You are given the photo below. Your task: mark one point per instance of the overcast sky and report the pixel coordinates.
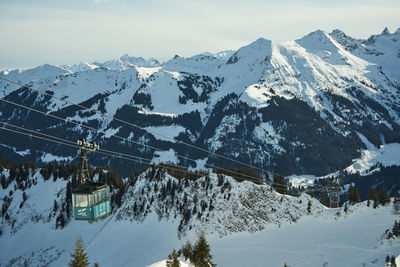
(69, 31)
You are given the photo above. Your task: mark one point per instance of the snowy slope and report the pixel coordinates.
(296, 107)
(241, 230)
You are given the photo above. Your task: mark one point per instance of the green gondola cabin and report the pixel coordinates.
(91, 201)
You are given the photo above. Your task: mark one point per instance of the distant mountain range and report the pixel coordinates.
(309, 106)
(326, 105)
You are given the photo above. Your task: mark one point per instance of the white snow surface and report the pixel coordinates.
(163, 263)
(302, 180)
(48, 157)
(387, 155)
(242, 231)
(171, 131)
(165, 156)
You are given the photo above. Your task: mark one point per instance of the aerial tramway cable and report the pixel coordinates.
(122, 138)
(131, 124)
(63, 141)
(97, 151)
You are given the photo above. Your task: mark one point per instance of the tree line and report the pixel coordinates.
(198, 254)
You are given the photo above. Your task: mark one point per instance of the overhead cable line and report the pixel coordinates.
(123, 138)
(63, 141)
(70, 142)
(96, 151)
(131, 124)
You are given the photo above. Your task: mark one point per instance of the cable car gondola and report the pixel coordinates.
(90, 200)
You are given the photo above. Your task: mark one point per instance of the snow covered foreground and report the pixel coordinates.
(163, 264)
(351, 240)
(328, 237)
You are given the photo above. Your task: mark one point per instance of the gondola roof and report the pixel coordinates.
(88, 188)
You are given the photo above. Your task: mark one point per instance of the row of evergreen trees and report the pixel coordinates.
(353, 196)
(199, 254)
(390, 261)
(240, 174)
(393, 233)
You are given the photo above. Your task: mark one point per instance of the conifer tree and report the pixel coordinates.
(353, 195)
(396, 229)
(372, 194)
(393, 262)
(396, 203)
(346, 208)
(323, 199)
(55, 206)
(201, 253)
(79, 257)
(375, 204)
(173, 260)
(187, 251)
(280, 184)
(383, 197)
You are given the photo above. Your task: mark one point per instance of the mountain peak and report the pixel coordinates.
(315, 35)
(317, 32)
(385, 31)
(261, 42)
(125, 56)
(337, 32)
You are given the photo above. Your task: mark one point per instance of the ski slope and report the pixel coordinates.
(326, 236)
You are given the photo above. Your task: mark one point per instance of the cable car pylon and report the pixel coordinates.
(90, 200)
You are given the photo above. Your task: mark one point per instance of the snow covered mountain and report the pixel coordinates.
(246, 224)
(308, 106)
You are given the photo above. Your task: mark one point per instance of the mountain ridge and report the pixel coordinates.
(327, 86)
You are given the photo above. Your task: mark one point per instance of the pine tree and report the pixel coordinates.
(393, 262)
(323, 199)
(96, 264)
(173, 260)
(187, 251)
(79, 257)
(280, 184)
(396, 229)
(309, 206)
(372, 194)
(387, 260)
(353, 195)
(375, 204)
(201, 253)
(396, 203)
(383, 197)
(55, 206)
(60, 221)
